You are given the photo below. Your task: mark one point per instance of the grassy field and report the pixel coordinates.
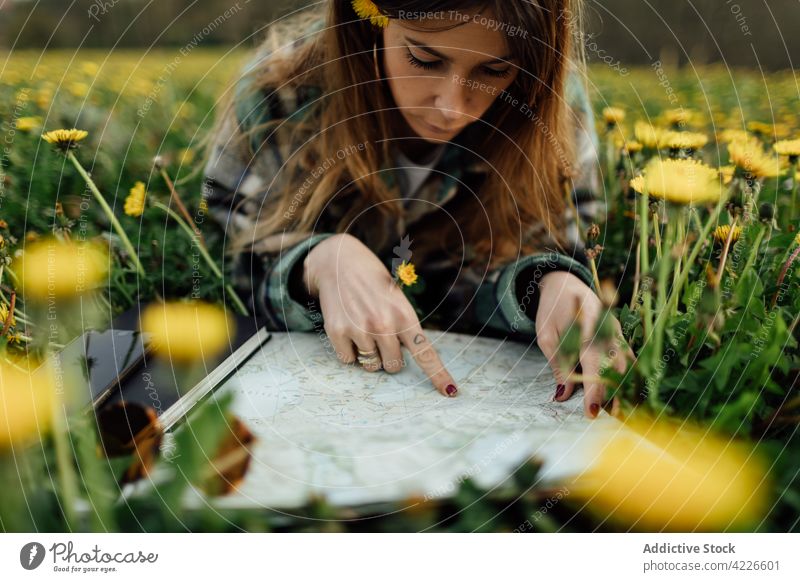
(711, 313)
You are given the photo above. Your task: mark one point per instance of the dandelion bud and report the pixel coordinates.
(766, 212)
(593, 232)
(158, 162)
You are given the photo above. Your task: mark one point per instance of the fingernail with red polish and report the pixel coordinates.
(594, 408)
(559, 390)
(451, 390)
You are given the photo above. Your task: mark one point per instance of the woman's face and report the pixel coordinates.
(443, 80)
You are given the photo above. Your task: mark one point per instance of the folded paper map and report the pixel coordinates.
(355, 437)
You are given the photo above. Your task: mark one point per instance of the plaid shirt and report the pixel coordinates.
(499, 302)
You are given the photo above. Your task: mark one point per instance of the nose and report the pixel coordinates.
(454, 102)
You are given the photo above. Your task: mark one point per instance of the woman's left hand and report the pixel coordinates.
(561, 295)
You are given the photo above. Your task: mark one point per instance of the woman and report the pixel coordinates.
(433, 132)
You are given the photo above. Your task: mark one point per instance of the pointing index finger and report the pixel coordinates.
(428, 360)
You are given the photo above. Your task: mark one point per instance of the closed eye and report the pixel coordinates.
(435, 64)
(427, 65)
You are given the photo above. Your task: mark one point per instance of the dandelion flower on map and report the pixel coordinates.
(407, 273)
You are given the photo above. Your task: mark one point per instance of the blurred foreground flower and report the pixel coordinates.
(187, 332)
(665, 475)
(26, 402)
(51, 268)
(679, 181)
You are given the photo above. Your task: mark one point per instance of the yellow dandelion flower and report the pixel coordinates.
(788, 147)
(632, 147)
(26, 400)
(187, 332)
(28, 124)
(667, 475)
(767, 130)
(683, 140)
(647, 135)
(78, 89)
(679, 181)
(406, 273)
(731, 135)
(751, 158)
(613, 115)
(367, 9)
(43, 97)
(65, 139)
(51, 268)
(721, 233)
(89, 68)
(678, 116)
(134, 203)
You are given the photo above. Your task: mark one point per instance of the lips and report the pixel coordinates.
(435, 128)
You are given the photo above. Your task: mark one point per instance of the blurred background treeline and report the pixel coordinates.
(741, 33)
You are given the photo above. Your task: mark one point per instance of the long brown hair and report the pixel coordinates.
(530, 161)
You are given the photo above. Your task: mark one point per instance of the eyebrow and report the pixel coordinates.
(439, 55)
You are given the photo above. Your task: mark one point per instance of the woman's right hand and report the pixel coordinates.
(363, 308)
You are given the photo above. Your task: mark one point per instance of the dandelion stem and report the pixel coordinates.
(701, 239)
(181, 206)
(644, 239)
(110, 213)
(794, 190)
(66, 470)
(594, 273)
(661, 319)
(204, 253)
(657, 234)
(636, 277)
(751, 259)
